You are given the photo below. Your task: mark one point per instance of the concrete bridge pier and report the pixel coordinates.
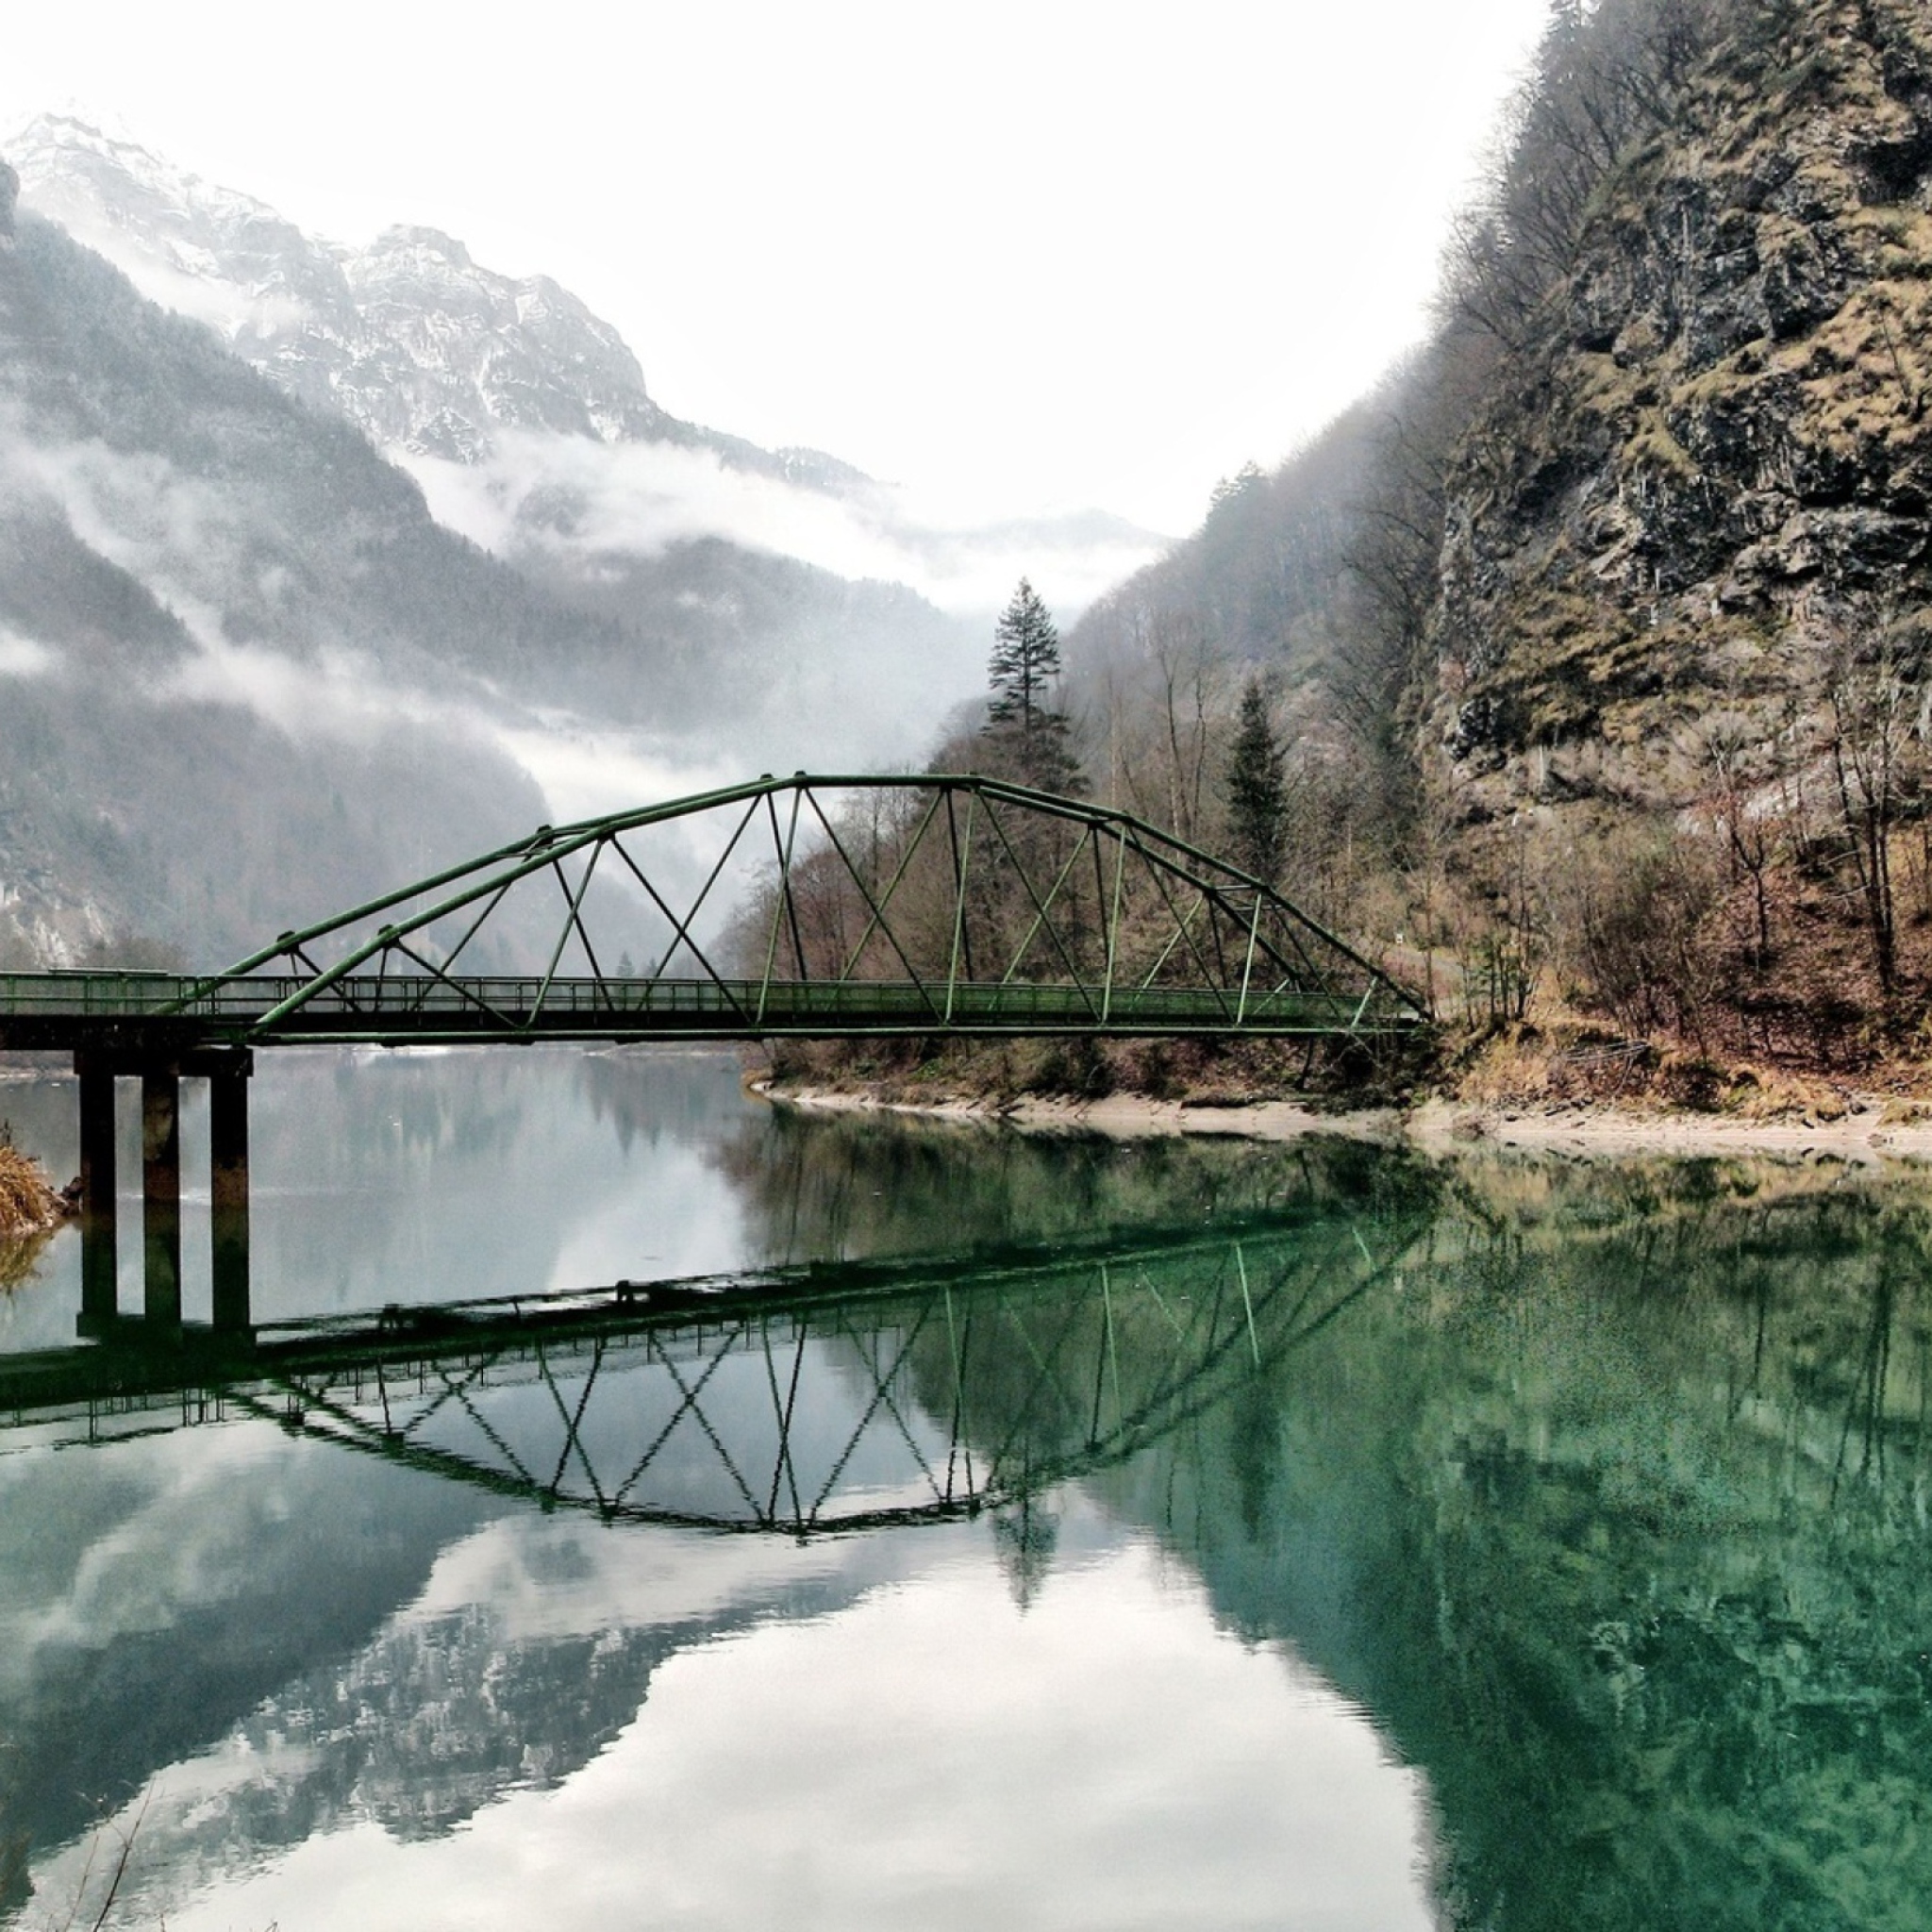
(227, 1136)
(161, 1198)
(228, 1072)
(99, 1259)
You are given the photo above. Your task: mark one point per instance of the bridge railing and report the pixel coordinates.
(95, 994)
(400, 1007)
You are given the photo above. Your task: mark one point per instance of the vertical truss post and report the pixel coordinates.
(1241, 1262)
(878, 922)
(785, 873)
(571, 901)
(962, 853)
(1113, 921)
(1241, 1010)
(1113, 1354)
(1043, 910)
(771, 947)
(784, 1469)
(959, 1346)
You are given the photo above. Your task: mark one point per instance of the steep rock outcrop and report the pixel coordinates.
(1711, 472)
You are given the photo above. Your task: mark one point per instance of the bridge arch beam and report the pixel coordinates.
(947, 903)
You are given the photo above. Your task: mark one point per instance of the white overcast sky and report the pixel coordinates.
(1017, 257)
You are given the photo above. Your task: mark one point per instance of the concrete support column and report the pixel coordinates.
(160, 1151)
(228, 1133)
(99, 1255)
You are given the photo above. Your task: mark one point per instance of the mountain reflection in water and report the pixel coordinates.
(1499, 1545)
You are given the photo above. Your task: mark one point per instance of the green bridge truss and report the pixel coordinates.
(803, 906)
(800, 1401)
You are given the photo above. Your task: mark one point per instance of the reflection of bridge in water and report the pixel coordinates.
(800, 1400)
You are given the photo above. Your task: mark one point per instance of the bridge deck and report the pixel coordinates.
(78, 1010)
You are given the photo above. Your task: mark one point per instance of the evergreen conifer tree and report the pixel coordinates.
(1257, 788)
(1025, 657)
(1026, 730)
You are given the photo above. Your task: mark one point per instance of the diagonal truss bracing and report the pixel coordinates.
(820, 907)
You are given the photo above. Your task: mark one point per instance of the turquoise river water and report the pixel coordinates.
(1187, 1534)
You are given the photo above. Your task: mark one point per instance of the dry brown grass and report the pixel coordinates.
(28, 1202)
(1560, 1060)
(20, 1259)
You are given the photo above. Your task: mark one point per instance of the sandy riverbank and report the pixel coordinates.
(1873, 1129)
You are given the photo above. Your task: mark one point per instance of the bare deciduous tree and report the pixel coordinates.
(1875, 729)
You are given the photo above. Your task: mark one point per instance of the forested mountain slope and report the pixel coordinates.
(246, 678)
(207, 595)
(1598, 638)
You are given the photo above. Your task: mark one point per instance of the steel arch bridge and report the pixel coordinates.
(826, 908)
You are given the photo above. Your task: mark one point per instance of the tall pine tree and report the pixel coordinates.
(1025, 730)
(1257, 788)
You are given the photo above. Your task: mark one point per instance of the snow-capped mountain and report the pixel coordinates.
(524, 416)
(453, 352)
(233, 593)
(229, 626)
(424, 349)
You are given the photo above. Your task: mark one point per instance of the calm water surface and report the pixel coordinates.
(1237, 1536)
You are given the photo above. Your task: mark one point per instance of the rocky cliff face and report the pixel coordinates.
(454, 349)
(1712, 476)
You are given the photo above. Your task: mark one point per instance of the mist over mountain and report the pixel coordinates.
(525, 416)
(227, 680)
(248, 679)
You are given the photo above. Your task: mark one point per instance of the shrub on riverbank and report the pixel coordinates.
(29, 1202)
(1201, 1073)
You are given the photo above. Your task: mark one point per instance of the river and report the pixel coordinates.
(1180, 1534)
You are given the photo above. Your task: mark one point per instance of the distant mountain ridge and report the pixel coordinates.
(419, 346)
(319, 564)
(525, 416)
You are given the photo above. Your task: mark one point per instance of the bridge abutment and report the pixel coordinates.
(227, 1072)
